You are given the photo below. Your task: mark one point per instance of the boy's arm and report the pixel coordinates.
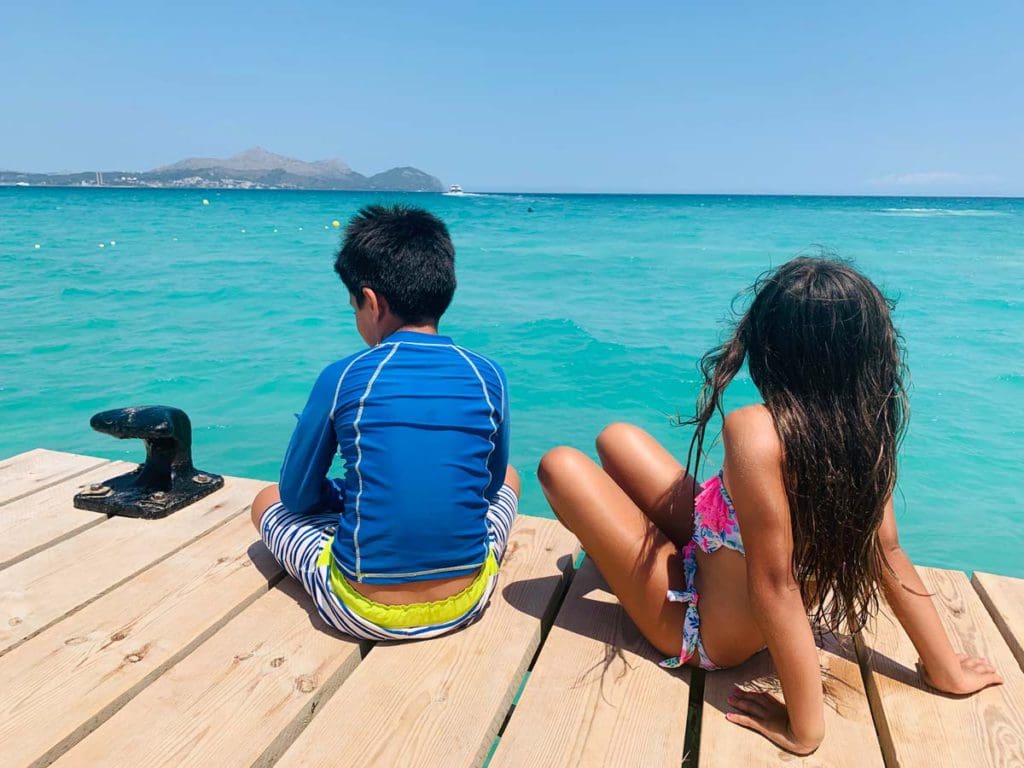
(304, 485)
(753, 466)
(497, 464)
(943, 668)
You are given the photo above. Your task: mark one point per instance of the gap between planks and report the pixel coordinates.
(441, 702)
(70, 465)
(41, 572)
(919, 727)
(48, 516)
(596, 695)
(1003, 598)
(69, 679)
(238, 700)
(850, 734)
(547, 622)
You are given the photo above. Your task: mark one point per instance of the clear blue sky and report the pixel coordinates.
(861, 98)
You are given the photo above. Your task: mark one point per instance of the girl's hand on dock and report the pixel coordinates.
(760, 711)
(974, 673)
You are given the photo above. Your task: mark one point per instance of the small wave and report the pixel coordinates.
(118, 293)
(1011, 378)
(926, 212)
(188, 380)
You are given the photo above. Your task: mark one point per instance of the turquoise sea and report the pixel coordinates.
(597, 305)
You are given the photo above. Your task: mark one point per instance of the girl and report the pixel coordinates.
(807, 478)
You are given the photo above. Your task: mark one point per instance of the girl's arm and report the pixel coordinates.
(753, 472)
(943, 668)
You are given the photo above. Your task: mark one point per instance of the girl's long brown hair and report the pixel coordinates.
(821, 348)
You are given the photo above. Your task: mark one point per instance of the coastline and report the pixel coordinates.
(532, 193)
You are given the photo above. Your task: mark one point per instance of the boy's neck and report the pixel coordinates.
(412, 328)
(395, 325)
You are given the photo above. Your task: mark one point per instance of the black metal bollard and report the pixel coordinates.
(166, 482)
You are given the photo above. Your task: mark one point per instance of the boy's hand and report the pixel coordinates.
(974, 673)
(765, 714)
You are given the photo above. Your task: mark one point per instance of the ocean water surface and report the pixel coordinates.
(597, 306)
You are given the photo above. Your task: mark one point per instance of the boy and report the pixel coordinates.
(407, 544)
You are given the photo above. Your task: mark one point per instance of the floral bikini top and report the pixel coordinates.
(714, 518)
(714, 527)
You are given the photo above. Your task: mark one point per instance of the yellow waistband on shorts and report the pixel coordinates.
(409, 614)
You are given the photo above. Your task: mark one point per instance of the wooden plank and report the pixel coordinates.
(1003, 596)
(40, 590)
(920, 727)
(596, 695)
(850, 738)
(441, 702)
(68, 679)
(34, 470)
(47, 516)
(237, 700)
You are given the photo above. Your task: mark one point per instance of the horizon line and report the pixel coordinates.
(991, 196)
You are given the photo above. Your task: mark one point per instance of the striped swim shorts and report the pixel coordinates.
(302, 545)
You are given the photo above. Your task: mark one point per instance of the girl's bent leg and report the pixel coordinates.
(651, 477)
(639, 562)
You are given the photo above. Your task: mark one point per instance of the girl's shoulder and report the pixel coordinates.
(753, 474)
(750, 432)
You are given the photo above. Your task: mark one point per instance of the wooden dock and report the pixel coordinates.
(179, 642)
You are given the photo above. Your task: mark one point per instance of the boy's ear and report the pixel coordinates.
(370, 297)
(378, 304)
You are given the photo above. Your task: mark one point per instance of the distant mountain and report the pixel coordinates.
(259, 159)
(255, 168)
(405, 178)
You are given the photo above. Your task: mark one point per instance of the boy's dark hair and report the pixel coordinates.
(404, 254)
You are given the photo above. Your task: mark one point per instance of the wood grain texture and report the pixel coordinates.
(850, 738)
(596, 695)
(227, 703)
(43, 588)
(68, 679)
(440, 702)
(1003, 597)
(40, 519)
(34, 470)
(921, 727)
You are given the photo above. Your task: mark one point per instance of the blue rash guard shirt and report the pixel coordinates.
(422, 427)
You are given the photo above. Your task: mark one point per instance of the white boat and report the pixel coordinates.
(455, 189)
